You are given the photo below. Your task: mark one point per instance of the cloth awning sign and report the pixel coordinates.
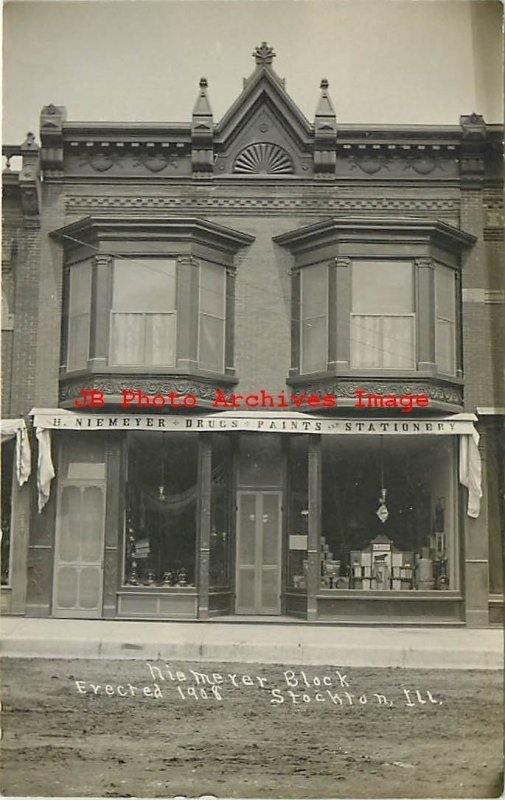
(271, 422)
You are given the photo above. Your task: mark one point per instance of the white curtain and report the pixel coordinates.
(470, 471)
(45, 468)
(17, 427)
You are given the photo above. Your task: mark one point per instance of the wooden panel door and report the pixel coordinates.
(258, 575)
(79, 552)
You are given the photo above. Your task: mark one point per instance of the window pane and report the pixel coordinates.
(127, 338)
(382, 287)
(365, 341)
(162, 495)
(221, 510)
(415, 549)
(160, 339)
(314, 291)
(211, 343)
(398, 342)
(79, 306)
(212, 289)
(78, 341)
(6, 501)
(382, 341)
(445, 293)
(314, 344)
(144, 285)
(445, 354)
(80, 288)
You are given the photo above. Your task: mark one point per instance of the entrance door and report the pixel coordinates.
(258, 578)
(78, 566)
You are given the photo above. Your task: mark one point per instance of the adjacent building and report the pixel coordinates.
(343, 283)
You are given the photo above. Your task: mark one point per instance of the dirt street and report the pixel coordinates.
(120, 728)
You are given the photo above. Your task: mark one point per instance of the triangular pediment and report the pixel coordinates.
(263, 125)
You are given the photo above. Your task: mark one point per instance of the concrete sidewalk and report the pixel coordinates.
(269, 643)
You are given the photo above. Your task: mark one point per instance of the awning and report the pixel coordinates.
(10, 428)
(46, 419)
(270, 421)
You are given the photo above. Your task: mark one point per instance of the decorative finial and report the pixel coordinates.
(324, 84)
(30, 143)
(264, 55)
(203, 83)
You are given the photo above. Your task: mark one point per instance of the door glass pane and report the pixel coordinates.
(270, 521)
(245, 589)
(92, 522)
(89, 587)
(70, 524)
(66, 589)
(270, 590)
(247, 529)
(382, 287)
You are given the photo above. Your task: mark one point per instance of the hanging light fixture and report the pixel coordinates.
(382, 512)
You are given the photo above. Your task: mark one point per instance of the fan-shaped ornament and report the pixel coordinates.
(263, 159)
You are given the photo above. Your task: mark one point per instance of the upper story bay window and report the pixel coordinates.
(383, 315)
(143, 319)
(378, 301)
(149, 317)
(148, 298)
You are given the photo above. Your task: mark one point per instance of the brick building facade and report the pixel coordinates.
(262, 252)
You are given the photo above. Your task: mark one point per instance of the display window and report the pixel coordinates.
(221, 512)
(161, 508)
(389, 513)
(8, 449)
(298, 514)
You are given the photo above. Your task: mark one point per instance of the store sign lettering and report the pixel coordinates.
(229, 422)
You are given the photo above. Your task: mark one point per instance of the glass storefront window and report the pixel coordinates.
(221, 520)
(8, 449)
(298, 518)
(410, 543)
(162, 493)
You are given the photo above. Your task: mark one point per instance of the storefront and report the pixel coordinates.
(280, 513)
